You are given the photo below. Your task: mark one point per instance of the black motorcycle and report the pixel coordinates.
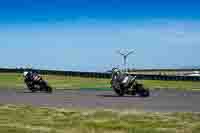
(123, 83)
(36, 83)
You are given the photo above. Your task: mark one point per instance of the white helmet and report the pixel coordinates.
(25, 73)
(116, 70)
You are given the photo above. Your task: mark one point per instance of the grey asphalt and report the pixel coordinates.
(159, 101)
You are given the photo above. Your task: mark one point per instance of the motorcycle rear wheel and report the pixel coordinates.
(45, 87)
(49, 89)
(144, 93)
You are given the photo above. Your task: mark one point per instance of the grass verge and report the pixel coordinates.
(178, 85)
(15, 80)
(28, 119)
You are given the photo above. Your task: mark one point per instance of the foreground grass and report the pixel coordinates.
(27, 119)
(14, 80)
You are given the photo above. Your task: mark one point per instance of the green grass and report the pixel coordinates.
(180, 85)
(14, 80)
(28, 119)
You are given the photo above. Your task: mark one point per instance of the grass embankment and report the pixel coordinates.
(27, 119)
(14, 80)
(179, 85)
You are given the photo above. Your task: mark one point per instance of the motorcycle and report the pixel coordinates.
(35, 83)
(123, 83)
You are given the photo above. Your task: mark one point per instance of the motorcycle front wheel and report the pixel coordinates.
(119, 92)
(33, 90)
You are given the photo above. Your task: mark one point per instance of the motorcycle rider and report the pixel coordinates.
(122, 78)
(35, 82)
(30, 76)
(124, 83)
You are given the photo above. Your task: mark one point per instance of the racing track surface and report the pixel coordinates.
(159, 101)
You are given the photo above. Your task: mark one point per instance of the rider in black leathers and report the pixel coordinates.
(29, 77)
(35, 82)
(121, 78)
